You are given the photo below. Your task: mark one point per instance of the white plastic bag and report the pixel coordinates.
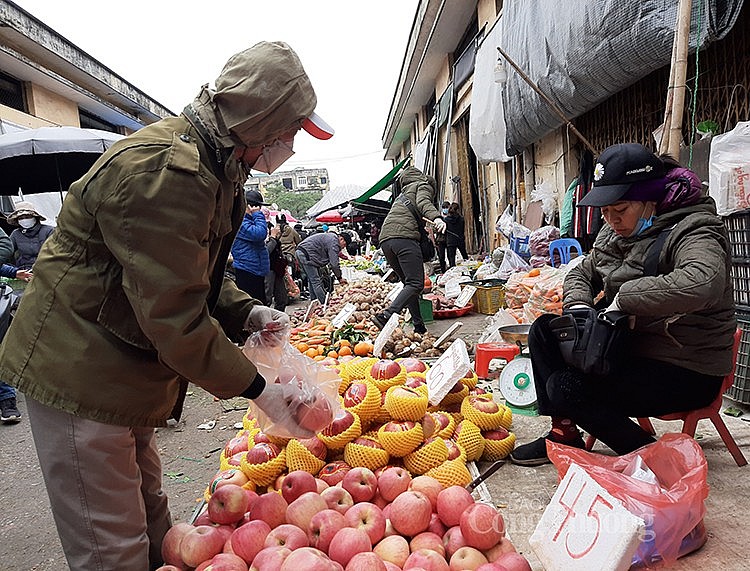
(546, 193)
(505, 222)
(512, 263)
(729, 170)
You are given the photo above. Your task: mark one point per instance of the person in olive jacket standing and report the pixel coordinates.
(129, 302)
(399, 240)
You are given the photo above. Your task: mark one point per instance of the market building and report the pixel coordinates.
(469, 119)
(297, 180)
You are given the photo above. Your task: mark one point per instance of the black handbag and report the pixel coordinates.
(425, 244)
(595, 342)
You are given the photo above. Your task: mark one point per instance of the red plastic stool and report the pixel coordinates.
(485, 352)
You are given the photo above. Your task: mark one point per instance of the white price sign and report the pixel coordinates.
(385, 334)
(447, 371)
(465, 297)
(343, 316)
(394, 292)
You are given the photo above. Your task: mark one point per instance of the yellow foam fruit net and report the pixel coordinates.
(498, 449)
(451, 473)
(446, 432)
(278, 441)
(471, 381)
(417, 374)
(365, 456)
(343, 385)
(338, 441)
(402, 442)
(249, 422)
(403, 407)
(300, 458)
(234, 462)
(265, 474)
(428, 456)
(457, 397)
(356, 369)
(384, 384)
(369, 407)
(225, 475)
(471, 440)
(484, 420)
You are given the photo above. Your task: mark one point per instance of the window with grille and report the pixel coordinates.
(12, 93)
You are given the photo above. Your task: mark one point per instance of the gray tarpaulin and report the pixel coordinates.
(580, 52)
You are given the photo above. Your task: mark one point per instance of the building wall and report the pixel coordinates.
(22, 119)
(52, 107)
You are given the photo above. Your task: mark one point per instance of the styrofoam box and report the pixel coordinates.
(585, 528)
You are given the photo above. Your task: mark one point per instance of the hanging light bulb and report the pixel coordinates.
(501, 74)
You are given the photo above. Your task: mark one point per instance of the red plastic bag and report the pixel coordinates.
(673, 510)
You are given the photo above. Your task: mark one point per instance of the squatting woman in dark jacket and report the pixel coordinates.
(681, 314)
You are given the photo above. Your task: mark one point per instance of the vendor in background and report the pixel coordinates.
(399, 240)
(129, 302)
(681, 342)
(440, 239)
(454, 234)
(318, 251)
(249, 253)
(27, 240)
(276, 294)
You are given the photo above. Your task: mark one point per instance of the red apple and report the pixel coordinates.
(341, 422)
(360, 482)
(457, 388)
(203, 519)
(301, 510)
(262, 453)
(392, 482)
(323, 527)
(453, 450)
(436, 525)
(226, 562)
(333, 472)
(394, 549)
(484, 404)
(426, 559)
(410, 513)
(385, 369)
(505, 546)
(347, 543)
(337, 498)
(236, 460)
(477, 391)
(297, 483)
(451, 503)
(307, 559)
(315, 413)
(413, 365)
(230, 476)
(391, 566)
(201, 543)
(497, 434)
(270, 559)
(453, 540)
(270, 508)
(168, 568)
(407, 392)
(228, 504)
(415, 382)
(482, 526)
(315, 446)
(260, 437)
(379, 500)
(398, 426)
(287, 535)
(170, 545)
(429, 486)
(320, 485)
(248, 540)
(355, 394)
(367, 561)
(427, 540)
(467, 558)
(513, 562)
(369, 517)
(236, 444)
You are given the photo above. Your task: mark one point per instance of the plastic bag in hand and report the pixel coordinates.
(309, 390)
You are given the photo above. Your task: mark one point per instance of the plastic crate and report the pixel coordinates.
(489, 297)
(521, 246)
(425, 309)
(740, 389)
(738, 228)
(740, 272)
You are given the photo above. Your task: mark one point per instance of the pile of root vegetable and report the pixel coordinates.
(381, 488)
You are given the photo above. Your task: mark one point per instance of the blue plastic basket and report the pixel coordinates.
(520, 246)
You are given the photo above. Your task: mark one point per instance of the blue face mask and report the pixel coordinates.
(643, 224)
(445, 212)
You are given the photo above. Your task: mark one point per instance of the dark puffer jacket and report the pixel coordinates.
(684, 315)
(400, 223)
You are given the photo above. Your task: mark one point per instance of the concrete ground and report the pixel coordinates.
(523, 493)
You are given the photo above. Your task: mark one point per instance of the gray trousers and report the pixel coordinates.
(104, 487)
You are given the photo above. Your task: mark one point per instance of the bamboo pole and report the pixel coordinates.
(663, 145)
(680, 74)
(549, 102)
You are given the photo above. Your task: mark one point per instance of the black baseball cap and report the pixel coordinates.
(618, 168)
(254, 198)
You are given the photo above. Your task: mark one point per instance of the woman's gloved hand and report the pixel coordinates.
(439, 224)
(262, 317)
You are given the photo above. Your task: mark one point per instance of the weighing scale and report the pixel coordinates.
(516, 382)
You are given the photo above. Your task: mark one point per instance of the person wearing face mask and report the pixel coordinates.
(249, 254)
(681, 314)
(440, 239)
(31, 234)
(129, 303)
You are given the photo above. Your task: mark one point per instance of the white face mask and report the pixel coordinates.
(274, 155)
(27, 222)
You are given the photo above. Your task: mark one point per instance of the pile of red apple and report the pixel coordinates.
(366, 522)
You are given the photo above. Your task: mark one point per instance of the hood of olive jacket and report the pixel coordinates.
(400, 222)
(685, 314)
(261, 93)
